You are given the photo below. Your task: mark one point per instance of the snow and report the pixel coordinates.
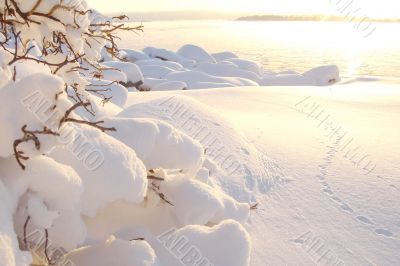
(114, 252)
(116, 93)
(247, 65)
(324, 75)
(134, 55)
(197, 203)
(113, 74)
(228, 155)
(288, 80)
(190, 245)
(194, 77)
(159, 62)
(222, 56)
(227, 70)
(32, 102)
(163, 54)
(158, 138)
(42, 188)
(170, 85)
(195, 68)
(345, 213)
(9, 250)
(93, 155)
(186, 173)
(156, 71)
(196, 53)
(132, 72)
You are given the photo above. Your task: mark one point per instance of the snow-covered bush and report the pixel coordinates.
(74, 178)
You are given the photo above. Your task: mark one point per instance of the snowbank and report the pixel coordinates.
(157, 139)
(94, 155)
(112, 176)
(9, 248)
(114, 252)
(198, 69)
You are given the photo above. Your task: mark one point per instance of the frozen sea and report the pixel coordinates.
(282, 46)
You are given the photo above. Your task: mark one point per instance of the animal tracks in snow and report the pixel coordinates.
(341, 204)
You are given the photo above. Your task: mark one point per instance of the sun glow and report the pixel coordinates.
(370, 8)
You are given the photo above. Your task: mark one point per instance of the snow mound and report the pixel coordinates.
(196, 53)
(94, 155)
(324, 75)
(109, 91)
(170, 85)
(157, 139)
(9, 249)
(237, 166)
(32, 102)
(197, 203)
(191, 245)
(194, 77)
(247, 65)
(132, 72)
(287, 80)
(222, 56)
(155, 71)
(163, 54)
(199, 69)
(114, 252)
(134, 55)
(227, 70)
(159, 62)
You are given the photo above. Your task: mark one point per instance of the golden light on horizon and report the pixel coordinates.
(369, 8)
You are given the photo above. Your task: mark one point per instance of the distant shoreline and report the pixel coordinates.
(210, 15)
(311, 18)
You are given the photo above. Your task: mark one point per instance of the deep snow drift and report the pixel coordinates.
(335, 202)
(191, 67)
(95, 172)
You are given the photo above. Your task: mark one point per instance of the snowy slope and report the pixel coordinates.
(329, 200)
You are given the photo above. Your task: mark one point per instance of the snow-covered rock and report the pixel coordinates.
(163, 54)
(222, 56)
(247, 65)
(196, 53)
(287, 80)
(108, 91)
(131, 70)
(170, 86)
(158, 72)
(113, 74)
(193, 77)
(227, 70)
(134, 55)
(159, 62)
(324, 75)
(114, 252)
(155, 84)
(210, 85)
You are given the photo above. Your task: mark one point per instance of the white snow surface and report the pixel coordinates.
(241, 175)
(324, 207)
(197, 69)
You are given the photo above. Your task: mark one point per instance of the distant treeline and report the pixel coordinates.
(309, 18)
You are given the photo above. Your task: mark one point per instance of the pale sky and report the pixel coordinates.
(371, 8)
